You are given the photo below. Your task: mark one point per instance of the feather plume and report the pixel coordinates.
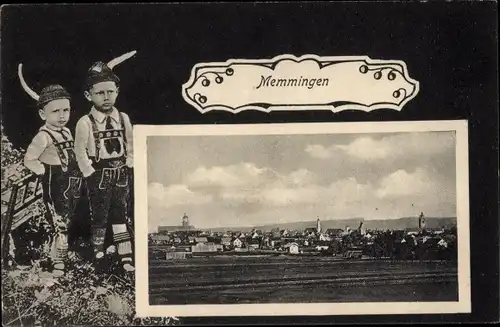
(121, 59)
(25, 86)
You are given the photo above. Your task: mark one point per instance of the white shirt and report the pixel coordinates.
(85, 141)
(42, 149)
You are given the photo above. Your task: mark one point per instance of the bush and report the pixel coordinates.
(81, 297)
(11, 163)
(32, 296)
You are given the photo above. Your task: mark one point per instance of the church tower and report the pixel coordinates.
(185, 222)
(421, 221)
(318, 226)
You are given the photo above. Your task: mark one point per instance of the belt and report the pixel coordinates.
(108, 163)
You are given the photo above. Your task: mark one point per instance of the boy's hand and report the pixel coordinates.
(38, 169)
(88, 172)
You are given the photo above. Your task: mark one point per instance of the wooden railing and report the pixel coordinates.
(21, 196)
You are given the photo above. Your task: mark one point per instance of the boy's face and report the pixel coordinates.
(103, 95)
(56, 112)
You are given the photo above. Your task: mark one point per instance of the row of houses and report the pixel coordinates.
(198, 236)
(334, 241)
(326, 235)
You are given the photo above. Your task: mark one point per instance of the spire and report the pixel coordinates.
(185, 221)
(421, 221)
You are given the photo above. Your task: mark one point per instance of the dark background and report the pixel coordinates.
(449, 47)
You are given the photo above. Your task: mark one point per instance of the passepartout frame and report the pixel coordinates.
(463, 305)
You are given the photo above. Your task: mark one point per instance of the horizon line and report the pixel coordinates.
(311, 221)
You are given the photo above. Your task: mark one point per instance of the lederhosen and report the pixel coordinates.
(61, 191)
(108, 186)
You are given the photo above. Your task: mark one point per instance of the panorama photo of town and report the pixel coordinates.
(302, 218)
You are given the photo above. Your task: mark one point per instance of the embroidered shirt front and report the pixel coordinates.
(85, 139)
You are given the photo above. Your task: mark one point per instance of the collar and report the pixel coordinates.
(52, 128)
(100, 117)
(64, 131)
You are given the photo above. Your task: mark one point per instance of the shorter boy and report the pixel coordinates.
(51, 156)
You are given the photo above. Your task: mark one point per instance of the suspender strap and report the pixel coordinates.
(62, 158)
(52, 137)
(97, 140)
(122, 126)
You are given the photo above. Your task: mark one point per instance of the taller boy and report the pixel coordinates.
(103, 147)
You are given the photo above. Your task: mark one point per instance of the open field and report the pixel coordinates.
(285, 279)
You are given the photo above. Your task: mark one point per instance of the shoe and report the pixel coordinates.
(127, 264)
(111, 249)
(99, 261)
(58, 269)
(128, 267)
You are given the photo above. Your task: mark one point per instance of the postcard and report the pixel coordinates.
(179, 163)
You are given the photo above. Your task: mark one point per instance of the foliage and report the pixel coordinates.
(421, 247)
(11, 162)
(32, 235)
(33, 296)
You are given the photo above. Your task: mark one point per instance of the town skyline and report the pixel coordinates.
(353, 223)
(254, 180)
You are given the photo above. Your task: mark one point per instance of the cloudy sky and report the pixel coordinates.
(231, 181)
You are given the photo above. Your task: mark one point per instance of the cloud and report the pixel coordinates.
(402, 183)
(282, 196)
(155, 191)
(301, 177)
(173, 195)
(367, 148)
(349, 190)
(319, 151)
(391, 147)
(300, 187)
(247, 194)
(419, 185)
(248, 185)
(245, 183)
(340, 192)
(239, 175)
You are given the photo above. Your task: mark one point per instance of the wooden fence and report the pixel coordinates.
(15, 203)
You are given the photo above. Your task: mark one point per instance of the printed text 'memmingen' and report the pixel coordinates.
(270, 81)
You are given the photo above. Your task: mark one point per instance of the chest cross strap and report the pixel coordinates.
(98, 135)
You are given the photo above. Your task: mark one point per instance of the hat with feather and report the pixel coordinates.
(49, 93)
(102, 72)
